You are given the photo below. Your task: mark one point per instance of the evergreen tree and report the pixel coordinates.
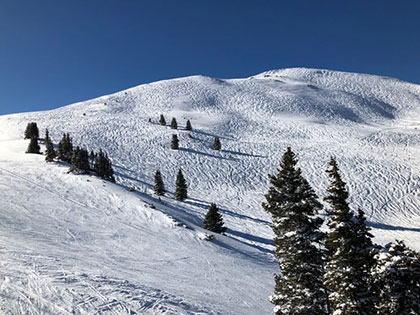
(216, 144)
(31, 131)
(162, 120)
(50, 153)
(159, 186)
(181, 187)
(47, 136)
(175, 142)
(65, 148)
(293, 206)
(397, 278)
(174, 124)
(214, 220)
(92, 160)
(33, 146)
(188, 125)
(79, 161)
(103, 167)
(347, 277)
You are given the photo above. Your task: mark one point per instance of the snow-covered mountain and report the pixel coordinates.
(76, 244)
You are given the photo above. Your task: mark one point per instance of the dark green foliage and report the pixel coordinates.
(162, 120)
(47, 136)
(159, 186)
(216, 144)
(188, 125)
(293, 206)
(33, 146)
(50, 153)
(79, 161)
(181, 187)
(174, 124)
(92, 160)
(214, 220)
(175, 142)
(103, 167)
(65, 148)
(31, 131)
(397, 279)
(348, 242)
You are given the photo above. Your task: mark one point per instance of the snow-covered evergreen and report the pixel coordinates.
(293, 206)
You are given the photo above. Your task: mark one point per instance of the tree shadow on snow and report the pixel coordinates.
(383, 226)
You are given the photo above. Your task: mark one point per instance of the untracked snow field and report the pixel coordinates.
(78, 245)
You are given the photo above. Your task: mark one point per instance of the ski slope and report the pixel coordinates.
(76, 244)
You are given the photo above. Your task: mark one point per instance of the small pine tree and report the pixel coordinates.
(33, 146)
(175, 142)
(188, 125)
(293, 205)
(397, 279)
(174, 124)
(214, 220)
(162, 120)
(47, 136)
(31, 130)
(181, 187)
(50, 153)
(347, 277)
(159, 186)
(216, 144)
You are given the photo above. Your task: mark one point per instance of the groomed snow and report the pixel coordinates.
(77, 244)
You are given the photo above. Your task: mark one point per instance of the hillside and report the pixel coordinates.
(76, 244)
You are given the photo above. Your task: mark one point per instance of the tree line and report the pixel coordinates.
(340, 271)
(81, 162)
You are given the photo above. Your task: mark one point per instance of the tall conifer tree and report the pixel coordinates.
(216, 144)
(33, 146)
(181, 187)
(162, 120)
(293, 206)
(159, 186)
(50, 153)
(347, 277)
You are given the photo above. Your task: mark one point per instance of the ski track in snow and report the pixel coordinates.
(101, 249)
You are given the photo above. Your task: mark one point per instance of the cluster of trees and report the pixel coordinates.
(80, 160)
(175, 141)
(213, 220)
(339, 271)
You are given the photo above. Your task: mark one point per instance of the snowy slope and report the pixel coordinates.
(94, 247)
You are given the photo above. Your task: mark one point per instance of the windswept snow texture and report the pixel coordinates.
(75, 244)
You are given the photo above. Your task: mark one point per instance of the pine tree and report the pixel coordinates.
(103, 167)
(216, 144)
(181, 187)
(47, 136)
(50, 153)
(293, 206)
(65, 148)
(175, 142)
(347, 277)
(214, 220)
(162, 120)
(31, 131)
(159, 186)
(188, 125)
(174, 124)
(33, 146)
(397, 278)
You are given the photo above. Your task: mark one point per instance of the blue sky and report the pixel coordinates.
(54, 53)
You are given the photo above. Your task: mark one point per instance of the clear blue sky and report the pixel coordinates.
(54, 53)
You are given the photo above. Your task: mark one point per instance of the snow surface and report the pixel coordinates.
(77, 244)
